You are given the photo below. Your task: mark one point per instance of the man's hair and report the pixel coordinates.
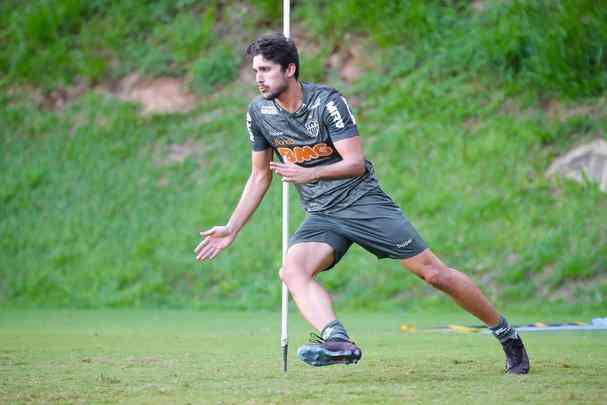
(276, 48)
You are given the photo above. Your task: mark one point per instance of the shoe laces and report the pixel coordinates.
(316, 338)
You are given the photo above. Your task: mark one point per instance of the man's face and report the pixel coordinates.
(271, 80)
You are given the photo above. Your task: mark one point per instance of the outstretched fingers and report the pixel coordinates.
(206, 252)
(214, 241)
(204, 248)
(214, 254)
(202, 244)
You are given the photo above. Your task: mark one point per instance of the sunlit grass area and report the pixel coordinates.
(217, 357)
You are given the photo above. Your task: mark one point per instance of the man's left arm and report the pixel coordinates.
(341, 126)
(351, 165)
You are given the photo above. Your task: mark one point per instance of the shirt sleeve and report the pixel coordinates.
(338, 118)
(258, 141)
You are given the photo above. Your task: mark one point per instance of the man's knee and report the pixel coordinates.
(436, 275)
(291, 272)
(305, 260)
(430, 269)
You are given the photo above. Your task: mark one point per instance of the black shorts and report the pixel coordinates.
(374, 222)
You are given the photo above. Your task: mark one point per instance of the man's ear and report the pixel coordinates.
(291, 70)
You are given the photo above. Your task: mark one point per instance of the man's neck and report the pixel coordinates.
(291, 99)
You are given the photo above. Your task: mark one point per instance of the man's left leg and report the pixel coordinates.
(333, 346)
(467, 295)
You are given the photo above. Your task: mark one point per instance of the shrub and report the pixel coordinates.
(219, 67)
(552, 45)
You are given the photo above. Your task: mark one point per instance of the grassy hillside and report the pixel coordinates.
(461, 112)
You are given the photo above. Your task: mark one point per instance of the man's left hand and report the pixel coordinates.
(292, 173)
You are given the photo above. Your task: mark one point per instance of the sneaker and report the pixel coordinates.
(320, 352)
(517, 361)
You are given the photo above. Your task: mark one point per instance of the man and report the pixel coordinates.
(313, 131)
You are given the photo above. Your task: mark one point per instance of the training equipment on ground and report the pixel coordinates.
(595, 324)
(284, 336)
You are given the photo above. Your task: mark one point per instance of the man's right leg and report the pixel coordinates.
(305, 260)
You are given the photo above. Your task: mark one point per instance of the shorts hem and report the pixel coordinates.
(336, 254)
(402, 257)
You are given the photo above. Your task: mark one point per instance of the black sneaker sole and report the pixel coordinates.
(317, 356)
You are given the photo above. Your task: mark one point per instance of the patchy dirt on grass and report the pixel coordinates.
(350, 62)
(555, 110)
(574, 289)
(177, 152)
(53, 100)
(570, 291)
(98, 360)
(479, 5)
(157, 96)
(170, 94)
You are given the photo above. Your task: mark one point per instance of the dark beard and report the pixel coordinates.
(278, 92)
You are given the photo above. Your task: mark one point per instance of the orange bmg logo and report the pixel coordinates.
(300, 154)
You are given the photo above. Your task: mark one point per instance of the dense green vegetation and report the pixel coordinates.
(461, 109)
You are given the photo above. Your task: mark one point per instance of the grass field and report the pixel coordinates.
(228, 357)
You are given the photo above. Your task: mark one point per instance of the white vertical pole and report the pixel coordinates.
(284, 338)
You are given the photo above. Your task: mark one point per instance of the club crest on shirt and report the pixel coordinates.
(312, 128)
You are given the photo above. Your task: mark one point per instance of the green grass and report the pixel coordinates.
(217, 357)
(95, 213)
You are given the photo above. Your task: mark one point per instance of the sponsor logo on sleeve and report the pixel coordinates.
(312, 128)
(335, 115)
(349, 111)
(269, 109)
(251, 137)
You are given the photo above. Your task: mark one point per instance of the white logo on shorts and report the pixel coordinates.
(404, 244)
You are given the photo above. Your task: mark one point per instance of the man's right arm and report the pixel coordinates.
(219, 237)
(256, 187)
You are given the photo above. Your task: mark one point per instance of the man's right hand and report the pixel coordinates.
(215, 240)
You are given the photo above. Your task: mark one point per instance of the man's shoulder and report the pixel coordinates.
(260, 105)
(317, 89)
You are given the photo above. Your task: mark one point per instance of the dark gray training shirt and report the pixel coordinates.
(306, 137)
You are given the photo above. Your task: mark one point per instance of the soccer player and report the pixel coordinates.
(312, 130)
